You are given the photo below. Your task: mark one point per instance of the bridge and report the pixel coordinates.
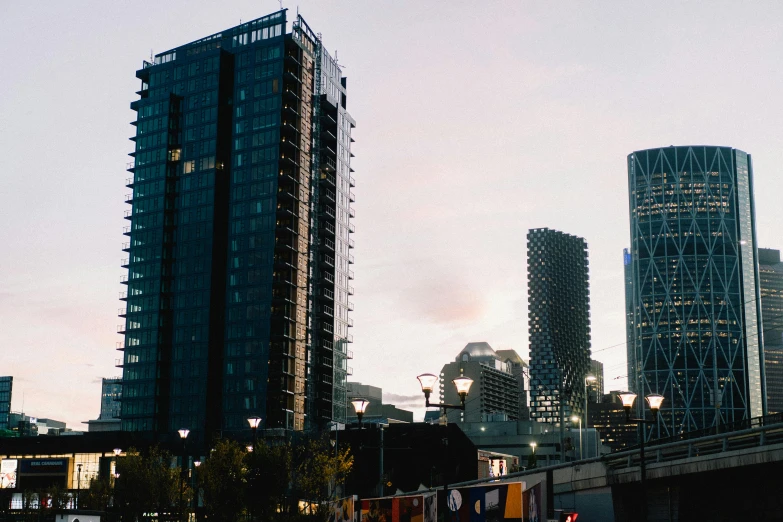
(735, 475)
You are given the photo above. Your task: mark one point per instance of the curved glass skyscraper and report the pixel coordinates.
(694, 278)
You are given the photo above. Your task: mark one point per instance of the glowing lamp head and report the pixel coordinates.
(254, 422)
(628, 399)
(533, 445)
(183, 433)
(117, 452)
(655, 401)
(463, 385)
(428, 382)
(590, 378)
(575, 419)
(197, 463)
(360, 405)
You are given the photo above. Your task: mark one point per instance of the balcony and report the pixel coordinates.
(123, 296)
(128, 214)
(350, 259)
(130, 166)
(124, 263)
(124, 279)
(128, 198)
(129, 182)
(118, 363)
(351, 197)
(350, 274)
(350, 290)
(351, 228)
(351, 243)
(352, 212)
(351, 181)
(349, 354)
(122, 312)
(350, 306)
(121, 328)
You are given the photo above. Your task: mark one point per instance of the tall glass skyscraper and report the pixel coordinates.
(558, 323)
(238, 282)
(695, 286)
(771, 288)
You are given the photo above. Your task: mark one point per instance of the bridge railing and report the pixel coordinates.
(762, 433)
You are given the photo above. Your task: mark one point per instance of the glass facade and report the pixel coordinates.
(6, 387)
(559, 324)
(228, 221)
(771, 287)
(694, 287)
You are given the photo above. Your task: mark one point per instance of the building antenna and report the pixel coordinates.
(152, 58)
(281, 5)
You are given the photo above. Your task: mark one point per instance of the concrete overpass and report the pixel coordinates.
(727, 476)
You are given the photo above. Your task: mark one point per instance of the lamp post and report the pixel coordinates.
(78, 484)
(654, 400)
(533, 456)
(254, 423)
(589, 378)
(183, 434)
(578, 419)
(360, 405)
(196, 463)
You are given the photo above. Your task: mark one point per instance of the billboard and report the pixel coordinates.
(532, 504)
(411, 508)
(8, 473)
(342, 510)
(494, 502)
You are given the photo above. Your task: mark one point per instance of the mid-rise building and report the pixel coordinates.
(495, 390)
(608, 419)
(771, 288)
(521, 370)
(111, 395)
(6, 388)
(239, 250)
(377, 412)
(559, 324)
(695, 290)
(595, 388)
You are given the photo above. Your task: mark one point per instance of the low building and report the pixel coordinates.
(377, 411)
(109, 418)
(608, 418)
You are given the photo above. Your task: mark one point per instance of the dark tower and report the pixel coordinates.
(559, 323)
(239, 246)
(771, 287)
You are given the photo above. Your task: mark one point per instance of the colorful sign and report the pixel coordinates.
(8, 473)
(412, 508)
(500, 502)
(342, 510)
(532, 504)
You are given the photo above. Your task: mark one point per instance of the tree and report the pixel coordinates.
(147, 483)
(223, 479)
(97, 496)
(269, 477)
(318, 470)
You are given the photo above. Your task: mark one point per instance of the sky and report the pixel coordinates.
(475, 123)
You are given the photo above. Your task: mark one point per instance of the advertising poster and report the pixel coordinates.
(8, 473)
(532, 504)
(485, 503)
(413, 508)
(342, 510)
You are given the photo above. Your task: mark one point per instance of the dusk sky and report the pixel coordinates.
(476, 121)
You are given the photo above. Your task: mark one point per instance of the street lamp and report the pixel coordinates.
(360, 405)
(655, 401)
(254, 423)
(183, 434)
(78, 484)
(532, 460)
(578, 419)
(196, 463)
(462, 383)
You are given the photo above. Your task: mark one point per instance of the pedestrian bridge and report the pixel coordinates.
(735, 475)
